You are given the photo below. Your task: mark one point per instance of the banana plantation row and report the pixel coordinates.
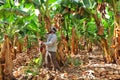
(81, 24)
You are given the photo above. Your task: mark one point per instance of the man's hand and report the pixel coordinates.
(41, 43)
(42, 47)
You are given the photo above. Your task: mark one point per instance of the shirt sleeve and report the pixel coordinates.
(52, 41)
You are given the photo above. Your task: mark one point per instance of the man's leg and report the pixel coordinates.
(47, 60)
(54, 60)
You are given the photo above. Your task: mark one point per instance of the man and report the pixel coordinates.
(51, 49)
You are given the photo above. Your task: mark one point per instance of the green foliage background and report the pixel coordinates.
(19, 17)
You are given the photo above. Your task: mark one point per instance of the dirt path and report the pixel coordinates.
(91, 68)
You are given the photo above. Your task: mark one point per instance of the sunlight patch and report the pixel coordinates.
(16, 3)
(37, 12)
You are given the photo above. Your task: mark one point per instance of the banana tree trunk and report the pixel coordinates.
(1, 72)
(73, 41)
(106, 49)
(6, 63)
(62, 50)
(116, 38)
(103, 41)
(8, 58)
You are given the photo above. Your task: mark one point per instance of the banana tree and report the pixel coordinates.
(115, 7)
(116, 37)
(17, 21)
(21, 20)
(92, 10)
(102, 22)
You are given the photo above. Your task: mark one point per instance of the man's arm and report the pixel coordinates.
(52, 41)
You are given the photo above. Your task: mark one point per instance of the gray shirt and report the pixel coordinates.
(51, 44)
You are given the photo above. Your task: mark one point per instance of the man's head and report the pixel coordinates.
(53, 29)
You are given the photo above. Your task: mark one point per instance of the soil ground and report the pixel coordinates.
(92, 67)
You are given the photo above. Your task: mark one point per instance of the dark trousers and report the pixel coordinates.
(52, 59)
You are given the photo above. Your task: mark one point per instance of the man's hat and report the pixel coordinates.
(53, 29)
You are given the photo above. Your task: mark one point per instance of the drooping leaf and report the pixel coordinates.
(109, 1)
(118, 6)
(99, 1)
(105, 23)
(87, 3)
(38, 60)
(2, 2)
(33, 26)
(52, 1)
(10, 11)
(91, 27)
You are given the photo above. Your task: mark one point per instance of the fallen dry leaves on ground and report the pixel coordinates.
(92, 68)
